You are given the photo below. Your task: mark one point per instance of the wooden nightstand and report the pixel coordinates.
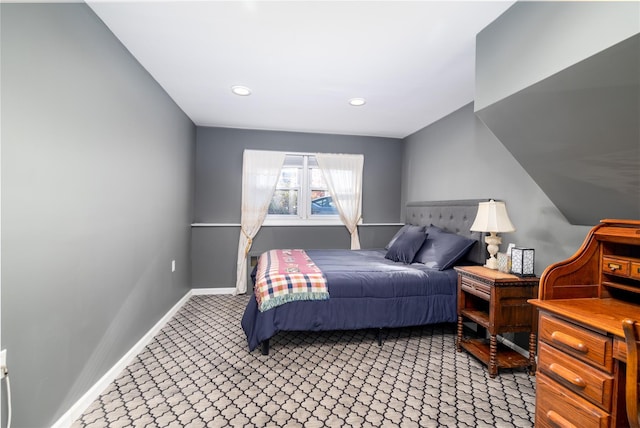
(497, 302)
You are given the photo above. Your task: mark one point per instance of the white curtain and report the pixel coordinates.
(343, 175)
(260, 173)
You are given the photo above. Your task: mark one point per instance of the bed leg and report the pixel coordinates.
(379, 336)
(264, 347)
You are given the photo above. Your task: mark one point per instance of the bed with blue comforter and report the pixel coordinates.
(382, 288)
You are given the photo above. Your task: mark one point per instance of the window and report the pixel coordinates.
(321, 200)
(301, 193)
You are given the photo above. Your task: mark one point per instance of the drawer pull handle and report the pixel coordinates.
(570, 341)
(559, 420)
(568, 375)
(614, 266)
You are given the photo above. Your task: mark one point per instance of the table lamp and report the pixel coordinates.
(492, 217)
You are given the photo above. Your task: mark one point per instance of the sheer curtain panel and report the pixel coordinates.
(343, 175)
(260, 172)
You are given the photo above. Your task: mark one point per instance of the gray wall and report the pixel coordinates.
(459, 158)
(218, 196)
(97, 190)
(563, 83)
(577, 134)
(533, 40)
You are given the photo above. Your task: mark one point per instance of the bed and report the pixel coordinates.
(409, 282)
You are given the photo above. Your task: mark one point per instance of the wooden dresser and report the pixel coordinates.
(581, 349)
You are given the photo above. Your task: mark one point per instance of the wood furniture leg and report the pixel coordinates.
(631, 391)
(532, 353)
(493, 356)
(459, 341)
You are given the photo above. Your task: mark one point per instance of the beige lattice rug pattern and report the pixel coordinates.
(197, 372)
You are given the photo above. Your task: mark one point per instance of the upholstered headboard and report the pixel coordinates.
(452, 216)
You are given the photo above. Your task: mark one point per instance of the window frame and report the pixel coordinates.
(304, 216)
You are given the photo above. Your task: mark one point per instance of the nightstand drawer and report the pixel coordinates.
(583, 344)
(476, 288)
(558, 407)
(586, 381)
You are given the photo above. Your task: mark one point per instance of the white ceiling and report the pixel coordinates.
(413, 61)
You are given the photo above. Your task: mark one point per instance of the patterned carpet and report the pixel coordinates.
(197, 372)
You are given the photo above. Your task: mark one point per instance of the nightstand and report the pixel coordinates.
(497, 302)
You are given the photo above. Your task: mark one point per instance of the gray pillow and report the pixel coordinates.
(403, 229)
(441, 250)
(406, 246)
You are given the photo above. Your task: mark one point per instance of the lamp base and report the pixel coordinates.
(492, 263)
(493, 241)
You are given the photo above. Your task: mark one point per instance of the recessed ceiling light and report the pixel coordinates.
(243, 91)
(357, 102)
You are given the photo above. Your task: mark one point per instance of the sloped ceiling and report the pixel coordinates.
(577, 133)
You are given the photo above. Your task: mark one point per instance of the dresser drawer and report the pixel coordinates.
(558, 407)
(586, 381)
(635, 270)
(478, 289)
(616, 266)
(583, 344)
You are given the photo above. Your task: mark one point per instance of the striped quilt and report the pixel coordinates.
(288, 275)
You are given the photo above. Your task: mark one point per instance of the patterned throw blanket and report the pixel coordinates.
(288, 275)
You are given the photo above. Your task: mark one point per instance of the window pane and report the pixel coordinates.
(316, 178)
(322, 203)
(293, 161)
(316, 194)
(284, 202)
(289, 177)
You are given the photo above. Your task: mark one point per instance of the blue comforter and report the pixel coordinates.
(366, 291)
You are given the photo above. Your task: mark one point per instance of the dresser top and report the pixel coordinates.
(599, 314)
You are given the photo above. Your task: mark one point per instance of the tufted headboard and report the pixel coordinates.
(452, 216)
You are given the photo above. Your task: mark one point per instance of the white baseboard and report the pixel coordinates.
(94, 392)
(205, 291)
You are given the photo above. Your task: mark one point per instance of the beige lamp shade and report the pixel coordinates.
(492, 217)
